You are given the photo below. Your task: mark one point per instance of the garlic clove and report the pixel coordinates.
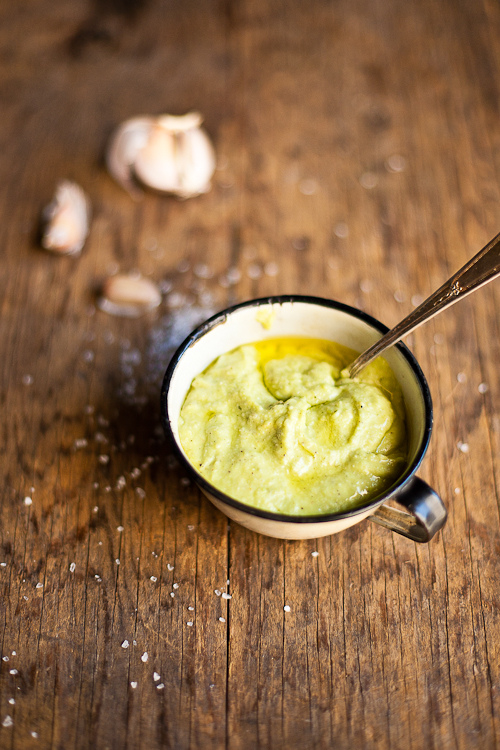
(66, 219)
(178, 158)
(129, 296)
(126, 142)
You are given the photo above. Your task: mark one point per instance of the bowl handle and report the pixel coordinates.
(427, 513)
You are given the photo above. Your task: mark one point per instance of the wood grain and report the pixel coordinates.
(358, 159)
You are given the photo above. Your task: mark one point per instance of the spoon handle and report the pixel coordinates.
(482, 268)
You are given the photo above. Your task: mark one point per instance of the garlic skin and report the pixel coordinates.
(126, 142)
(169, 153)
(67, 220)
(128, 296)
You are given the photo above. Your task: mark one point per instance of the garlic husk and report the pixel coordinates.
(170, 153)
(126, 142)
(67, 220)
(129, 296)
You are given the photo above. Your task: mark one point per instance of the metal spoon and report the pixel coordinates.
(483, 267)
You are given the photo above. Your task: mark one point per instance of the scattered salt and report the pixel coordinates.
(286, 608)
(145, 657)
(464, 447)
(72, 567)
(462, 377)
(133, 685)
(217, 592)
(191, 609)
(483, 387)
(226, 596)
(221, 619)
(7, 722)
(12, 701)
(170, 567)
(125, 644)
(120, 529)
(175, 586)
(271, 269)
(395, 163)
(156, 677)
(315, 554)
(28, 501)
(153, 578)
(160, 686)
(103, 459)
(189, 623)
(80, 443)
(39, 585)
(34, 735)
(13, 671)
(341, 230)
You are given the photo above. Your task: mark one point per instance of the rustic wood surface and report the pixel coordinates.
(358, 152)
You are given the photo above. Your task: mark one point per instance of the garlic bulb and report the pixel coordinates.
(168, 153)
(66, 220)
(129, 295)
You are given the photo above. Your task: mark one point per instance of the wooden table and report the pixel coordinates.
(358, 153)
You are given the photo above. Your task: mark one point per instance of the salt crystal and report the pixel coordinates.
(189, 624)
(190, 527)
(366, 286)
(368, 180)
(3, 564)
(462, 377)
(88, 355)
(145, 657)
(120, 529)
(191, 609)
(39, 585)
(175, 586)
(125, 644)
(27, 380)
(72, 567)
(153, 578)
(140, 492)
(399, 296)
(5, 658)
(133, 685)
(254, 271)
(117, 561)
(233, 275)
(160, 686)
(341, 230)
(13, 671)
(156, 676)
(417, 300)
(226, 596)
(271, 269)
(457, 490)
(315, 554)
(221, 619)
(172, 594)
(103, 459)
(308, 187)
(482, 387)
(170, 567)
(7, 722)
(464, 447)
(395, 163)
(28, 501)
(217, 592)
(286, 608)
(12, 701)
(34, 735)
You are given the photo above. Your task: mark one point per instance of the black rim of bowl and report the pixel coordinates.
(220, 318)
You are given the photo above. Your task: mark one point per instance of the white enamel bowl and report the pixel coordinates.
(324, 319)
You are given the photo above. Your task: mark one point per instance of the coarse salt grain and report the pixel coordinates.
(160, 686)
(153, 578)
(175, 586)
(103, 459)
(226, 596)
(125, 644)
(482, 387)
(156, 677)
(133, 685)
(172, 594)
(170, 567)
(315, 554)
(3, 564)
(189, 623)
(34, 735)
(395, 163)
(7, 722)
(13, 671)
(12, 701)
(217, 592)
(368, 180)
(5, 658)
(39, 585)
(120, 528)
(191, 609)
(462, 377)
(72, 567)
(221, 619)
(464, 447)
(145, 657)
(286, 608)
(27, 380)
